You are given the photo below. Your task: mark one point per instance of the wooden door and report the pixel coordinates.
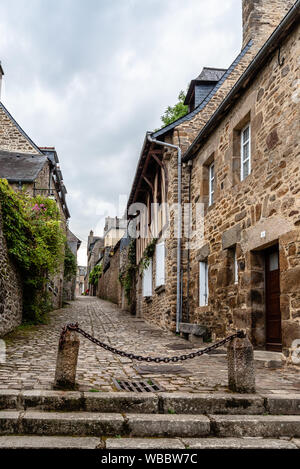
(273, 314)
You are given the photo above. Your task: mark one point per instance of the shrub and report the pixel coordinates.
(35, 242)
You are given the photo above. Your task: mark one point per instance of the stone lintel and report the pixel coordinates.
(203, 253)
(231, 237)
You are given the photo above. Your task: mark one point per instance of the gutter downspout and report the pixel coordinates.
(179, 229)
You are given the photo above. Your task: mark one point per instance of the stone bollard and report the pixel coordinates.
(66, 363)
(241, 374)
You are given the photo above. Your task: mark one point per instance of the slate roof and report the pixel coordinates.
(211, 74)
(192, 114)
(23, 167)
(188, 117)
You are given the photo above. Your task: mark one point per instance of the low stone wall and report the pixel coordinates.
(10, 290)
(109, 287)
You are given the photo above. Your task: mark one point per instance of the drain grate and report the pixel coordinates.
(137, 386)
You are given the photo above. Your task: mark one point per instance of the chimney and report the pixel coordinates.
(1, 75)
(261, 17)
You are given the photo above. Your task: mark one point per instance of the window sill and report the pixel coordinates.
(160, 289)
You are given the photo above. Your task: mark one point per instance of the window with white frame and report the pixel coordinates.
(245, 152)
(203, 283)
(235, 267)
(211, 176)
(160, 264)
(147, 280)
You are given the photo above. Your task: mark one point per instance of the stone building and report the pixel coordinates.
(70, 283)
(114, 230)
(240, 146)
(95, 248)
(36, 170)
(81, 273)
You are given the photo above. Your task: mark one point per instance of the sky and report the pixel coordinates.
(90, 77)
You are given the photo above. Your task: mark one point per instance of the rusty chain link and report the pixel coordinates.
(75, 327)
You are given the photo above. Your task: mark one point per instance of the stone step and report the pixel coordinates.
(151, 403)
(49, 442)
(200, 443)
(147, 425)
(83, 443)
(267, 426)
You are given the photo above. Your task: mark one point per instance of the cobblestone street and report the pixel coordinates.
(31, 355)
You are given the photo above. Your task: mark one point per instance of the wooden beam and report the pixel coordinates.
(156, 159)
(148, 182)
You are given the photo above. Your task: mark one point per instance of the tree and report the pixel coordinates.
(172, 113)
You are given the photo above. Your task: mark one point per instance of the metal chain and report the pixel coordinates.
(132, 356)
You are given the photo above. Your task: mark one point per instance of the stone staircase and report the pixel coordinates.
(84, 420)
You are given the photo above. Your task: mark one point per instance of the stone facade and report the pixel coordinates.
(69, 286)
(11, 136)
(48, 181)
(10, 290)
(109, 286)
(266, 201)
(252, 214)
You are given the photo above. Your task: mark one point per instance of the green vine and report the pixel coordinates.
(35, 242)
(148, 254)
(127, 277)
(70, 264)
(95, 274)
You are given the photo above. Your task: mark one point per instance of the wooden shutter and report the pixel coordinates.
(147, 280)
(160, 264)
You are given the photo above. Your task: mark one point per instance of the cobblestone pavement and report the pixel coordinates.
(31, 355)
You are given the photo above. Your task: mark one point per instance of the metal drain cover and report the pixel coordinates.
(137, 386)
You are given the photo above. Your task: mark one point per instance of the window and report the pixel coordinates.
(245, 152)
(203, 283)
(235, 267)
(211, 175)
(147, 280)
(160, 264)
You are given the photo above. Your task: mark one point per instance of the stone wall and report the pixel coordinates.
(109, 287)
(266, 201)
(260, 17)
(11, 138)
(10, 290)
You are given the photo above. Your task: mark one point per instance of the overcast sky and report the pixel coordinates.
(90, 77)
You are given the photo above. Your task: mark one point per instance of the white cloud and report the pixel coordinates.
(92, 77)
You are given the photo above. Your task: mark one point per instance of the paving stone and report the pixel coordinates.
(48, 442)
(168, 425)
(144, 443)
(237, 443)
(266, 426)
(31, 356)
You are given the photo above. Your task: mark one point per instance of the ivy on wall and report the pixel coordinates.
(95, 274)
(127, 277)
(70, 264)
(35, 242)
